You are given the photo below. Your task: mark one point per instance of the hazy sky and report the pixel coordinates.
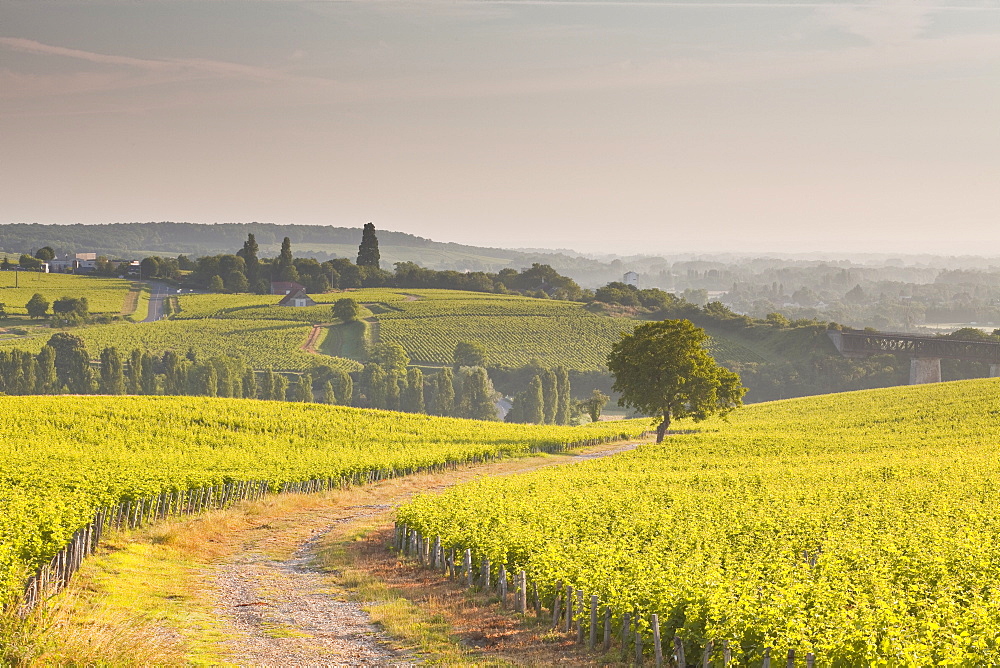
(601, 126)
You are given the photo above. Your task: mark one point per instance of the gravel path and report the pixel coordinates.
(286, 612)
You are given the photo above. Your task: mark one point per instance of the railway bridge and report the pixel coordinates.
(926, 352)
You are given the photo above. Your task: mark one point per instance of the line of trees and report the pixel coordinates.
(64, 366)
(463, 391)
(69, 310)
(547, 400)
(246, 271)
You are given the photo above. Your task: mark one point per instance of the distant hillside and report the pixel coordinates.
(128, 240)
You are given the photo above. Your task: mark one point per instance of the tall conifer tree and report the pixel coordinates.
(550, 394)
(444, 393)
(414, 402)
(564, 399)
(368, 255)
(45, 372)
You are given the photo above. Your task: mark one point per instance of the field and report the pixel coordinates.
(65, 457)
(104, 295)
(860, 527)
(429, 323)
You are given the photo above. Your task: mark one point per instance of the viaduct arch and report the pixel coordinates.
(926, 352)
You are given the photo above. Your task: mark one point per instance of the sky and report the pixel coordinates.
(605, 126)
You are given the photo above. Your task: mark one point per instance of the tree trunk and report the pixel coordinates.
(661, 431)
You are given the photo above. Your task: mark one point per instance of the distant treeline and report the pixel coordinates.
(245, 271)
(63, 366)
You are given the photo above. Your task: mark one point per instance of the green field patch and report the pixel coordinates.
(349, 340)
(104, 295)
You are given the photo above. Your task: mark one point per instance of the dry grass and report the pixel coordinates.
(437, 618)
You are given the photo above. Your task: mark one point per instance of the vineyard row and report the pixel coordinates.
(135, 513)
(570, 610)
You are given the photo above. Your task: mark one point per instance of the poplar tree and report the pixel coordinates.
(148, 379)
(375, 385)
(206, 380)
(344, 387)
(250, 384)
(304, 390)
(249, 255)
(45, 371)
(393, 391)
(173, 373)
(444, 393)
(284, 269)
(564, 396)
(414, 401)
(327, 395)
(72, 363)
(28, 368)
(267, 385)
(134, 375)
(533, 411)
(112, 377)
(550, 395)
(10, 372)
(280, 388)
(477, 396)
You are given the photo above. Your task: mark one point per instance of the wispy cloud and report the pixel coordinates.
(168, 69)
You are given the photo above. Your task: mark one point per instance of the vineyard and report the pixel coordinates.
(429, 323)
(64, 458)
(859, 527)
(104, 295)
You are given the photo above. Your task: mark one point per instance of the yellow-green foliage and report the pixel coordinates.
(104, 295)
(861, 527)
(62, 458)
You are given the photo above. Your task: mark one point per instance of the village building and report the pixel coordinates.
(297, 298)
(631, 278)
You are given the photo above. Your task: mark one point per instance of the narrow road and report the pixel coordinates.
(160, 291)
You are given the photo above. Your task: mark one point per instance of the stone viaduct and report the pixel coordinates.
(926, 352)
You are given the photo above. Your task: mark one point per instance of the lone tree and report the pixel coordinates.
(37, 306)
(368, 250)
(662, 368)
(346, 309)
(594, 404)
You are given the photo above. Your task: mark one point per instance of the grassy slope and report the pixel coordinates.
(860, 526)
